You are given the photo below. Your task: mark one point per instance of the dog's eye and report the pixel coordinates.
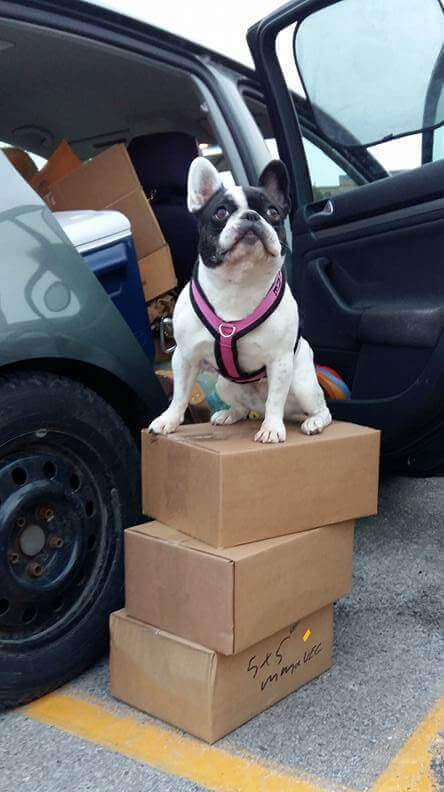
(273, 214)
(221, 214)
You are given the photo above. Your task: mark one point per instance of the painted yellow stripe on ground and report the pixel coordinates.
(410, 770)
(165, 750)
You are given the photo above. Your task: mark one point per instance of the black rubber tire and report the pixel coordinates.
(40, 402)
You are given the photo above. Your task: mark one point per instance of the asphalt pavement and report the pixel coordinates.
(343, 729)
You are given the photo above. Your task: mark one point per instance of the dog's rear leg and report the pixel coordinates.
(306, 401)
(184, 375)
(229, 393)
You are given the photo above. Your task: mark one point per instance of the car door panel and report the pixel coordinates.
(404, 192)
(368, 270)
(385, 270)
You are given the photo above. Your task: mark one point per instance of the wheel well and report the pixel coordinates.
(113, 390)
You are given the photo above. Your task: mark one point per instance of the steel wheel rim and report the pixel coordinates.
(56, 542)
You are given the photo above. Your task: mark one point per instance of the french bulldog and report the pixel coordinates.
(238, 313)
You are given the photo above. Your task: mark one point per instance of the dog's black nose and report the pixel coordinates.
(253, 217)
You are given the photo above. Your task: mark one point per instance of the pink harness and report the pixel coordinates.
(226, 334)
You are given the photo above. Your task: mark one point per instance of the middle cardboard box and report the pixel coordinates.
(229, 599)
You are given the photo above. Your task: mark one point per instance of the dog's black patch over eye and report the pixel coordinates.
(221, 214)
(273, 214)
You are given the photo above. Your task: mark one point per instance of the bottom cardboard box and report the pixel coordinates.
(205, 693)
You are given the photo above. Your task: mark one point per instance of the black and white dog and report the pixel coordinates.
(239, 314)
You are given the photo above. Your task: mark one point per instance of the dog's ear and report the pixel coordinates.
(274, 180)
(203, 182)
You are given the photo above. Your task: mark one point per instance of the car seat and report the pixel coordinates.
(161, 162)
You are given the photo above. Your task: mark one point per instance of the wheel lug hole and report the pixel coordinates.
(45, 513)
(14, 558)
(20, 522)
(34, 569)
(19, 476)
(55, 542)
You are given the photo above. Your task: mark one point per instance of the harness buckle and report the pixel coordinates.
(226, 330)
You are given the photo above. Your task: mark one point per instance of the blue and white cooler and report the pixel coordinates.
(103, 238)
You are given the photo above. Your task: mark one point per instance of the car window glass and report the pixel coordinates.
(327, 177)
(216, 156)
(395, 156)
(438, 135)
(438, 144)
(369, 67)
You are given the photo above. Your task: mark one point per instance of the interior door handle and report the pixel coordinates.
(320, 271)
(319, 213)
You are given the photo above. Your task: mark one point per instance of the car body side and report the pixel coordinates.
(55, 315)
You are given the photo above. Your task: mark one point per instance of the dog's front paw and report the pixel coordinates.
(271, 432)
(316, 423)
(166, 423)
(227, 417)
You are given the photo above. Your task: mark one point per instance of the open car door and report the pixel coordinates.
(368, 261)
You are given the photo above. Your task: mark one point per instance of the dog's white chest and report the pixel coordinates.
(253, 350)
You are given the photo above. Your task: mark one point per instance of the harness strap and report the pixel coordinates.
(227, 333)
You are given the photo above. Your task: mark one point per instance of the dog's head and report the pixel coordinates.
(239, 227)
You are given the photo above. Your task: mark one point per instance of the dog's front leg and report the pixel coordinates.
(184, 376)
(279, 374)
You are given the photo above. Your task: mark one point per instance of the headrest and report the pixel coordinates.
(163, 159)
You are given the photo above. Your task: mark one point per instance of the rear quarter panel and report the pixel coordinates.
(51, 305)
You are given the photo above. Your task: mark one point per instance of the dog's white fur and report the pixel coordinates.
(235, 288)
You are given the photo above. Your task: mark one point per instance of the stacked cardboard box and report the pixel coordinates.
(109, 181)
(229, 593)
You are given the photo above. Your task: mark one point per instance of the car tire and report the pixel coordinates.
(69, 485)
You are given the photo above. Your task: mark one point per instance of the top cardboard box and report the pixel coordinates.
(216, 484)
(109, 181)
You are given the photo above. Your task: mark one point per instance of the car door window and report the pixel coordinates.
(216, 156)
(378, 64)
(438, 134)
(327, 177)
(338, 109)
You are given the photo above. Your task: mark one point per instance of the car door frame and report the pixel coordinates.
(261, 39)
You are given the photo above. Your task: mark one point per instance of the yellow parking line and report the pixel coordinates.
(165, 750)
(218, 770)
(410, 770)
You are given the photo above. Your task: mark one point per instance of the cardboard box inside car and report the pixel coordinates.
(216, 484)
(109, 181)
(205, 693)
(61, 163)
(230, 599)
